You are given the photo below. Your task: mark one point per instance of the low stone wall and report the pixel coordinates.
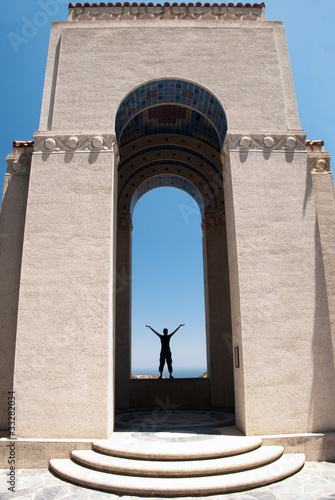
(36, 453)
(317, 447)
(171, 393)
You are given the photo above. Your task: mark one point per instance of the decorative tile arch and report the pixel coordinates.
(171, 105)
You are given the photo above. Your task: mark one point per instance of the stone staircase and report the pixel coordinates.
(175, 464)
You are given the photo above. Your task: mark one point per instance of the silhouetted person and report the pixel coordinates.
(165, 350)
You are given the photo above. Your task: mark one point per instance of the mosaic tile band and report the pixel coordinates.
(170, 119)
(168, 147)
(206, 121)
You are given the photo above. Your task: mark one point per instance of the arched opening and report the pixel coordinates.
(168, 282)
(171, 133)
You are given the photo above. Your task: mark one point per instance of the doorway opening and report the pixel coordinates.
(170, 133)
(168, 283)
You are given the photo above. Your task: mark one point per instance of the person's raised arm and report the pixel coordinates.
(153, 330)
(176, 329)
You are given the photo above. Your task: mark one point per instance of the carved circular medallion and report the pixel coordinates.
(16, 166)
(245, 142)
(321, 165)
(97, 142)
(291, 142)
(50, 144)
(268, 141)
(123, 221)
(73, 142)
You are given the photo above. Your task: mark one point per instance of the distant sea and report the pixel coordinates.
(177, 373)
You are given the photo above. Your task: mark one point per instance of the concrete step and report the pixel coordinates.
(190, 468)
(175, 446)
(285, 466)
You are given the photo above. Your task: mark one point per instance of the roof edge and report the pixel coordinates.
(167, 4)
(149, 11)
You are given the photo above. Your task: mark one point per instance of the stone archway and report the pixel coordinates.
(170, 133)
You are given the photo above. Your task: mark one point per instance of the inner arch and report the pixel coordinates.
(165, 295)
(167, 181)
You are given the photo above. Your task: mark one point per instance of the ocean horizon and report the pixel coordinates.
(177, 373)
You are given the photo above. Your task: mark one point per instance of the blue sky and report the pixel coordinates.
(167, 266)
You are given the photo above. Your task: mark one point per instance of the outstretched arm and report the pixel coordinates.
(176, 330)
(153, 330)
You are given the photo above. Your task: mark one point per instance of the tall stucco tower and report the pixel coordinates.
(199, 97)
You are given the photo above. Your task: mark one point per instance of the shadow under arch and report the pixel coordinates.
(170, 132)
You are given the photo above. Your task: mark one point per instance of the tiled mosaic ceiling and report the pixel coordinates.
(171, 106)
(170, 132)
(169, 118)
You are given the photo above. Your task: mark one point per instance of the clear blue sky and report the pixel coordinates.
(167, 240)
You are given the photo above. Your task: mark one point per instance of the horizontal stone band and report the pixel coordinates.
(266, 141)
(50, 143)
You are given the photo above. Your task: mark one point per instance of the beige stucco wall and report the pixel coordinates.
(12, 219)
(245, 64)
(323, 187)
(64, 354)
(285, 381)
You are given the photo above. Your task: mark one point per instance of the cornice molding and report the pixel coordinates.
(23, 144)
(142, 11)
(294, 141)
(175, 4)
(19, 161)
(72, 143)
(319, 159)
